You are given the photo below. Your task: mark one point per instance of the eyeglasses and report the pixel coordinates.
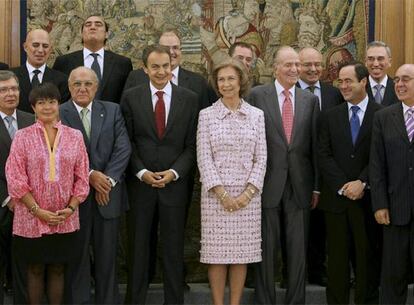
(87, 84)
(13, 89)
(404, 79)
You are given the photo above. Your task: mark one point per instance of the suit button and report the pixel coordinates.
(410, 168)
(352, 156)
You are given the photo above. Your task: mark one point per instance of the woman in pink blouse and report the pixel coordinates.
(231, 156)
(47, 178)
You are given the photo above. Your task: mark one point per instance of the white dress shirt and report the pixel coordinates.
(174, 75)
(373, 83)
(316, 91)
(362, 109)
(88, 58)
(30, 70)
(281, 96)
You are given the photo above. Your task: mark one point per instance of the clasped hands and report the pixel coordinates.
(53, 218)
(232, 204)
(353, 190)
(102, 185)
(158, 179)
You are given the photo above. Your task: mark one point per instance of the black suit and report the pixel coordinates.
(109, 150)
(6, 217)
(392, 180)
(389, 94)
(50, 75)
(347, 222)
(3, 66)
(115, 72)
(186, 79)
(176, 150)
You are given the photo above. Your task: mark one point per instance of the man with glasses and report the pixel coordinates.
(11, 120)
(380, 86)
(108, 146)
(111, 69)
(392, 180)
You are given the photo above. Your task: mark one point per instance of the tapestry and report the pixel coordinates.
(338, 28)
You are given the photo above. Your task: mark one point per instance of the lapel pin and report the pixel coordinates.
(101, 115)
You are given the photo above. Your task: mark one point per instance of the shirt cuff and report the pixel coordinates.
(5, 202)
(113, 182)
(175, 174)
(141, 173)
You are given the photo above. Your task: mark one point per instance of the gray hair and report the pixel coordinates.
(85, 69)
(6, 75)
(377, 43)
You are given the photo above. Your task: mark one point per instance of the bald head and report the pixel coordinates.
(404, 84)
(286, 66)
(311, 65)
(37, 47)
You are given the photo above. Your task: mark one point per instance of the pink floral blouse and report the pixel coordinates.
(52, 176)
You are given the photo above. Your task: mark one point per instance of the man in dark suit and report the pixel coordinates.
(291, 181)
(35, 71)
(11, 120)
(161, 119)
(380, 86)
(112, 69)
(109, 149)
(392, 179)
(328, 96)
(180, 76)
(344, 146)
(3, 66)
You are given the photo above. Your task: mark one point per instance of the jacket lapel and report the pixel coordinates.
(107, 68)
(175, 108)
(148, 111)
(366, 123)
(399, 122)
(97, 119)
(74, 121)
(272, 105)
(298, 114)
(4, 135)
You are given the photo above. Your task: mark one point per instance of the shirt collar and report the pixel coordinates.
(79, 108)
(405, 107)
(373, 82)
(305, 85)
(30, 68)
(3, 115)
(280, 89)
(176, 71)
(362, 104)
(167, 89)
(223, 111)
(87, 52)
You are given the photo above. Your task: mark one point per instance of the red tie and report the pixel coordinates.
(160, 114)
(287, 115)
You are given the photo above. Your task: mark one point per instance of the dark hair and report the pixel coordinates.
(361, 71)
(244, 80)
(96, 15)
(154, 48)
(44, 91)
(242, 45)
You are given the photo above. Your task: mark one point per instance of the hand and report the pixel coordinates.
(230, 204)
(100, 182)
(382, 217)
(102, 198)
(51, 218)
(66, 212)
(314, 200)
(152, 179)
(242, 200)
(354, 190)
(166, 177)
(11, 204)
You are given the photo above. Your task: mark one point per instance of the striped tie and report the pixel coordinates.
(409, 123)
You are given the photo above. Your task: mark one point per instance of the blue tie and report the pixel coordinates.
(355, 124)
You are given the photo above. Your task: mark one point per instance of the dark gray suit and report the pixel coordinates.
(24, 119)
(176, 150)
(109, 150)
(392, 179)
(290, 179)
(389, 94)
(115, 72)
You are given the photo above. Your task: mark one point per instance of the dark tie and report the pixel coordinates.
(160, 114)
(355, 124)
(10, 128)
(409, 123)
(311, 89)
(378, 96)
(35, 79)
(95, 65)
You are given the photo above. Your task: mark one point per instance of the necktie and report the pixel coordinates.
(10, 128)
(35, 79)
(378, 96)
(160, 114)
(95, 66)
(85, 121)
(409, 123)
(287, 115)
(355, 124)
(311, 89)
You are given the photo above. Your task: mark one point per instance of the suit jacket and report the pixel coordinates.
(50, 75)
(339, 160)
(186, 79)
(176, 150)
(108, 148)
(115, 72)
(24, 119)
(3, 66)
(297, 159)
(330, 96)
(389, 94)
(391, 166)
